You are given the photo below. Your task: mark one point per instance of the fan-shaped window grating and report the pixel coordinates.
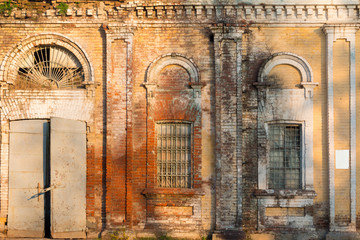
(49, 67)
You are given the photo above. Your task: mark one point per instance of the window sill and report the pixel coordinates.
(154, 192)
(286, 193)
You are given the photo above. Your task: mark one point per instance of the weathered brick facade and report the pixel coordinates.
(227, 70)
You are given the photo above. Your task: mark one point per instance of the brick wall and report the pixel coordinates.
(122, 42)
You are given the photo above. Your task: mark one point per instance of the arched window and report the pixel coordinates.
(48, 67)
(46, 61)
(285, 127)
(174, 120)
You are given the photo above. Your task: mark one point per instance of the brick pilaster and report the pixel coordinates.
(227, 43)
(118, 126)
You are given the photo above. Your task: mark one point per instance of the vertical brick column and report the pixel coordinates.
(118, 126)
(334, 33)
(227, 44)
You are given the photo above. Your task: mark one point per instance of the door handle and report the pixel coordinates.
(48, 189)
(41, 191)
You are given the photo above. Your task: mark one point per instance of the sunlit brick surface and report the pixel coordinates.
(228, 177)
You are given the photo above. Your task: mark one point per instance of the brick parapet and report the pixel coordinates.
(191, 12)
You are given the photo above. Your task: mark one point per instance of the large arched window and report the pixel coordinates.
(48, 67)
(285, 126)
(174, 97)
(46, 61)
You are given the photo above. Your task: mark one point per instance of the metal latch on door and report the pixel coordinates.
(42, 191)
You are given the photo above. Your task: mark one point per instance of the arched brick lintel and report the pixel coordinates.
(172, 59)
(284, 58)
(8, 68)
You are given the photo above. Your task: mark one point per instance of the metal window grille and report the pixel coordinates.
(285, 156)
(49, 67)
(174, 155)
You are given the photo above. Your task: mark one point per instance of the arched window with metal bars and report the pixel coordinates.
(49, 67)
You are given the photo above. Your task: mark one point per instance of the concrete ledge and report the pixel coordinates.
(287, 235)
(262, 236)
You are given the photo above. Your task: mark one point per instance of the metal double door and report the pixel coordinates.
(47, 156)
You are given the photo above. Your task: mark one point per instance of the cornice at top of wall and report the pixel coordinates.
(202, 11)
(241, 2)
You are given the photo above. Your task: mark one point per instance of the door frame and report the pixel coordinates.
(71, 234)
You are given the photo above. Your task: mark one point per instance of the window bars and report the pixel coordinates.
(49, 67)
(285, 156)
(173, 155)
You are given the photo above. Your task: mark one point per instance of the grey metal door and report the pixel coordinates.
(68, 178)
(28, 146)
(30, 169)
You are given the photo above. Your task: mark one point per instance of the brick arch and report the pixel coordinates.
(8, 68)
(284, 58)
(172, 59)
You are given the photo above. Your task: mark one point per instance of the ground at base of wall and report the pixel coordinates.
(290, 235)
(343, 236)
(226, 235)
(126, 234)
(309, 235)
(229, 235)
(170, 235)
